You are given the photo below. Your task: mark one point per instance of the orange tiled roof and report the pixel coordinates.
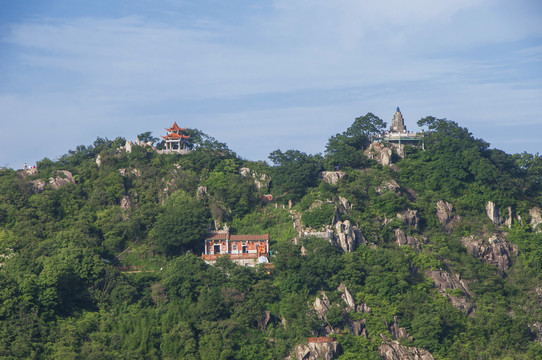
(175, 136)
(249, 237)
(221, 236)
(227, 236)
(175, 127)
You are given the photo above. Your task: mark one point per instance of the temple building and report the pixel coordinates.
(247, 250)
(399, 134)
(176, 141)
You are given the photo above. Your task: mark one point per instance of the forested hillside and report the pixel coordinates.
(437, 255)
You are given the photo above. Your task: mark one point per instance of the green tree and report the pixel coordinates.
(294, 172)
(346, 149)
(181, 226)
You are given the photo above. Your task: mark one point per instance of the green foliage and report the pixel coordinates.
(346, 149)
(62, 294)
(294, 173)
(181, 226)
(319, 216)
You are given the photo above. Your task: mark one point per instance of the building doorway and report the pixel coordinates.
(244, 248)
(216, 249)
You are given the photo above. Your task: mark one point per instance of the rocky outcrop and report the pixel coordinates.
(390, 185)
(347, 237)
(128, 146)
(260, 180)
(38, 185)
(396, 331)
(492, 212)
(402, 239)
(536, 217)
(446, 283)
(380, 153)
(99, 160)
(62, 178)
(445, 215)
(495, 250)
(328, 350)
(347, 298)
(332, 177)
(410, 217)
(394, 351)
(126, 202)
(125, 172)
(344, 204)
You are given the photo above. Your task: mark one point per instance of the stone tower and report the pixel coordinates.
(397, 124)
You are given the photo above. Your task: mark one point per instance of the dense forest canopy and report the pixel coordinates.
(440, 252)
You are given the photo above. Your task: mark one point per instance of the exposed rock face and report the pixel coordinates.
(492, 212)
(38, 185)
(260, 180)
(495, 250)
(395, 351)
(321, 304)
(62, 178)
(128, 146)
(347, 298)
(402, 239)
(391, 185)
(445, 281)
(202, 191)
(332, 177)
(126, 202)
(508, 220)
(99, 160)
(410, 217)
(124, 172)
(344, 204)
(398, 332)
(317, 350)
(380, 153)
(445, 215)
(536, 216)
(347, 237)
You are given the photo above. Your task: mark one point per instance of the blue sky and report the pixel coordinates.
(263, 75)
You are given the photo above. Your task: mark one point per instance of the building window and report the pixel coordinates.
(234, 246)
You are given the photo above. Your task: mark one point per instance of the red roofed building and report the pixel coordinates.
(176, 141)
(243, 249)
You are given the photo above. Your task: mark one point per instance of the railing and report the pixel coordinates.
(211, 257)
(321, 339)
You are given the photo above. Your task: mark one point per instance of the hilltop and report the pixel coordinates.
(420, 248)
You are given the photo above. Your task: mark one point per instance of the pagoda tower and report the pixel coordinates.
(176, 141)
(398, 123)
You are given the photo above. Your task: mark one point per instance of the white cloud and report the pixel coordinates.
(424, 54)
